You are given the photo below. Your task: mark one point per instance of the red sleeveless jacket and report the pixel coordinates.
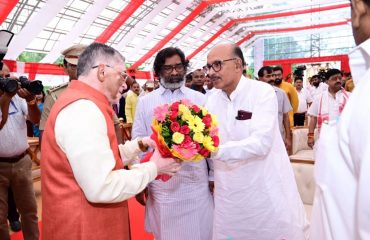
(66, 213)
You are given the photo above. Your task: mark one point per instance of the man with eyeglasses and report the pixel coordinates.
(256, 195)
(328, 105)
(84, 183)
(182, 207)
(15, 163)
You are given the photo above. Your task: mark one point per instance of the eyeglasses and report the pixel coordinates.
(179, 67)
(216, 65)
(123, 74)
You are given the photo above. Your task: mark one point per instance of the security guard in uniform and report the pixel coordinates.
(70, 67)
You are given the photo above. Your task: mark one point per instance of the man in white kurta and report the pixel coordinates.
(256, 196)
(182, 207)
(341, 205)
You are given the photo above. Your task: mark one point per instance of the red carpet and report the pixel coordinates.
(136, 223)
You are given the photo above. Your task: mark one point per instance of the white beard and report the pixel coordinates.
(171, 86)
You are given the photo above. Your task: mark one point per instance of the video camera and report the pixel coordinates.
(299, 71)
(10, 85)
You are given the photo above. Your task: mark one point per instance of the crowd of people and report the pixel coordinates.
(246, 190)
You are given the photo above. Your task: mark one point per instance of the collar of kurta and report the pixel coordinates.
(238, 90)
(78, 85)
(162, 90)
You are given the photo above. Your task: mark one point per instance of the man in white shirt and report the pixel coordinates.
(305, 101)
(317, 86)
(256, 195)
(84, 182)
(341, 207)
(15, 163)
(182, 207)
(328, 105)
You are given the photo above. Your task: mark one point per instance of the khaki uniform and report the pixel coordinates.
(51, 97)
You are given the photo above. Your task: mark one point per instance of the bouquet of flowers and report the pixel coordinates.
(185, 131)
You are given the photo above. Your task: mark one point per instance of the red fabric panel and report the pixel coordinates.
(6, 6)
(119, 21)
(289, 62)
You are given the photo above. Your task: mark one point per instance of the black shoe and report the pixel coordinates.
(15, 226)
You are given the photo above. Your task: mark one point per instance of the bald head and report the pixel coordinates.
(225, 66)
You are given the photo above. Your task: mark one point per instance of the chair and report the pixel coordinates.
(300, 150)
(302, 160)
(34, 152)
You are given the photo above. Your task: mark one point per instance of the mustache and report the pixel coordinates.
(214, 78)
(174, 79)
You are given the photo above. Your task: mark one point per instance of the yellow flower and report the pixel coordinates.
(204, 111)
(208, 144)
(198, 137)
(196, 124)
(214, 120)
(184, 109)
(187, 116)
(178, 137)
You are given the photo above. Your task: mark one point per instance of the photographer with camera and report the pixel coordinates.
(17, 103)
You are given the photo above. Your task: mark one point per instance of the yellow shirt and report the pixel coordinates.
(130, 108)
(293, 98)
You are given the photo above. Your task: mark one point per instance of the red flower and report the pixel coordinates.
(175, 106)
(216, 141)
(187, 140)
(185, 130)
(197, 146)
(174, 115)
(175, 126)
(204, 152)
(196, 108)
(207, 120)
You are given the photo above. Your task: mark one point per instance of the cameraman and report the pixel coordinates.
(15, 164)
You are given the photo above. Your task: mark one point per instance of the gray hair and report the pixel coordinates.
(96, 52)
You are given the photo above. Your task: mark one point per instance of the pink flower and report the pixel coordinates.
(175, 126)
(186, 102)
(186, 151)
(160, 112)
(185, 130)
(213, 132)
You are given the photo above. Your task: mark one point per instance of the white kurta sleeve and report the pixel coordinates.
(258, 144)
(81, 132)
(139, 128)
